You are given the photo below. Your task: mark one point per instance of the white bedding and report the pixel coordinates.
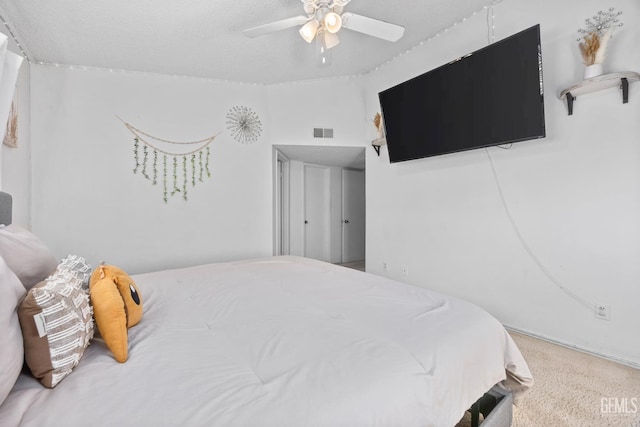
(283, 341)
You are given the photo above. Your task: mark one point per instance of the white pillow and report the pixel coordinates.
(26, 255)
(11, 349)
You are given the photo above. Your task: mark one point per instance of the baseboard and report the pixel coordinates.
(575, 347)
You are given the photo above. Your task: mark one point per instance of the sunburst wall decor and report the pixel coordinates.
(244, 124)
(188, 165)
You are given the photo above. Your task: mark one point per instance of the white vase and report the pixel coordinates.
(592, 71)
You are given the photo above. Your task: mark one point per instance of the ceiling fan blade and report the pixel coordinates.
(373, 27)
(272, 27)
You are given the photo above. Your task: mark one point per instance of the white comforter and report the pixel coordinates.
(282, 341)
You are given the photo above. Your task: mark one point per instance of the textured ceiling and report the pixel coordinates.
(204, 38)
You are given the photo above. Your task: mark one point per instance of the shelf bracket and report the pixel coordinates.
(620, 80)
(624, 85)
(570, 99)
(377, 143)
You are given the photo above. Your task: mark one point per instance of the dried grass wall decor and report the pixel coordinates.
(11, 132)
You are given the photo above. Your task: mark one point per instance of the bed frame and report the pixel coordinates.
(495, 405)
(6, 208)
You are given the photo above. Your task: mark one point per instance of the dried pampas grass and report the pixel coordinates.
(594, 47)
(604, 39)
(589, 48)
(377, 120)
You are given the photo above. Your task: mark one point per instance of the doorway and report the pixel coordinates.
(319, 203)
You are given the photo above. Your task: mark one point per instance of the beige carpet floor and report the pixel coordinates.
(574, 389)
(356, 265)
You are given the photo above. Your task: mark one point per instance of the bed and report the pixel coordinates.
(285, 341)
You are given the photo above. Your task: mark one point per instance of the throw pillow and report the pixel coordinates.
(26, 255)
(11, 350)
(117, 305)
(57, 322)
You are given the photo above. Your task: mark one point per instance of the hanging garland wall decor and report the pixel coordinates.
(244, 124)
(193, 158)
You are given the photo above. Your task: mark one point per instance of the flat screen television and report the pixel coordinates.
(492, 96)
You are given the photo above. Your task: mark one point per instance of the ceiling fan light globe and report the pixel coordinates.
(332, 22)
(308, 31)
(330, 40)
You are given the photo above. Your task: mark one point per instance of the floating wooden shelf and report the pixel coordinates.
(377, 143)
(594, 84)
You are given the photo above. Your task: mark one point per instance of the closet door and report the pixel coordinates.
(316, 212)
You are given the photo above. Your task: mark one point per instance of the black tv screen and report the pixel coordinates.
(490, 97)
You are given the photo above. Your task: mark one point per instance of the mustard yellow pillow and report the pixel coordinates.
(117, 306)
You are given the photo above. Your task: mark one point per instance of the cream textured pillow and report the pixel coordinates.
(57, 322)
(26, 255)
(79, 267)
(11, 353)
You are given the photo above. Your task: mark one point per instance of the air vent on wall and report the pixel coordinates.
(322, 133)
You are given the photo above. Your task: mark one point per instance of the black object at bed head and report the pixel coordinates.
(6, 208)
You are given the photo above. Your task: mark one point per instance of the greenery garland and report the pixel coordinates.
(201, 148)
(164, 180)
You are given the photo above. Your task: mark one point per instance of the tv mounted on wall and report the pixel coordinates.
(492, 96)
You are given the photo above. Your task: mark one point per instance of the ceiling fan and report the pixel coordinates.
(324, 18)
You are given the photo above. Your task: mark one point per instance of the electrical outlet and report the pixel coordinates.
(405, 270)
(385, 267)
(603, 312)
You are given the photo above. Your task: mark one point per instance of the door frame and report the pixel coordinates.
(281, 202)
(364, 220)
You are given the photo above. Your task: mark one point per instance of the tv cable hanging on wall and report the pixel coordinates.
(490, 39)
(528, 249)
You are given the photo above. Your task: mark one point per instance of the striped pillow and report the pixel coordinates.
(57, 322)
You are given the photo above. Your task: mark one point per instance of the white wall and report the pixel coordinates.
(15, 164)
(87, 200)
(296, 108)
(575, 195)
